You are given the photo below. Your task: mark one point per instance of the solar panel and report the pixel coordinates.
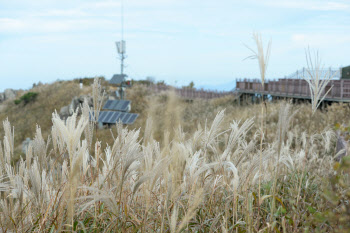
(117, 105)
(102, 116)
(108, 104)
(126, 118)
(111, 117)
(118, 78)
(132, 118)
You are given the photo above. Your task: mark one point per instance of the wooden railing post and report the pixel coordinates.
(341, 88)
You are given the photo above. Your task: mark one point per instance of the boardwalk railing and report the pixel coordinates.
(302, 73)
(189, 93)
(296, 88)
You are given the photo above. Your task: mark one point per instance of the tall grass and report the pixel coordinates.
(263, 58)
(204, 179)
(316, 79)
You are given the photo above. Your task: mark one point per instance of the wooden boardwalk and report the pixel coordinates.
(294, 88)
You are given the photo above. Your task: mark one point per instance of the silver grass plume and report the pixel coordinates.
(260, 55)
(209, 135)
(89, 129)
(173, 219)
(2, 160)
(236, 135)
(57, 141)
(40, 148)
(10, 134)
(148, 134)
(70, 132)
(284, 119)
(317, 82)
(97, 97)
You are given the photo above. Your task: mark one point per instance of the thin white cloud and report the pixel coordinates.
(8, 24)
(61, 13)
(320, 40)
(315, 5)
(132, 3)
(42, 25)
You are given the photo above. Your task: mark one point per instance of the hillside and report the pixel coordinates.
(52, 97)
(166, 110)
(201, 165)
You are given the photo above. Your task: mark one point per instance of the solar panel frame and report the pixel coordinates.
(117, 105)
(107, 105)
(126, 118)
(121, 117)
(113, 117)
(125, 105)
(132, 118)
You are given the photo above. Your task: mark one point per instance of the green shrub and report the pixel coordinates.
(27, 98)
(336, 215)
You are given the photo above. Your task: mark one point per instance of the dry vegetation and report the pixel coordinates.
(201, 166)
(191, 167)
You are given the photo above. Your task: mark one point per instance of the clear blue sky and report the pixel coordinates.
(173, 40)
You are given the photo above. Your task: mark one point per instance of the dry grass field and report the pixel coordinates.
(201, 166)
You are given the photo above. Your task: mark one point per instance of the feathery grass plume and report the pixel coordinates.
(328, 136)
(76, 167)
(29, 155)
(2, 160)
(209, 135)
(7, 150)
(172, 117)
(89, 129)
(236, 135)
(317, 79)
(260, 55)
(97, 97)
(285, 117)
(40, 148)
(70, 132)
(191, 210)
(4, 185)
(284, 120)
(148, 134)
(173, 220)
(57, 141)
(263, 59)
(9, 141)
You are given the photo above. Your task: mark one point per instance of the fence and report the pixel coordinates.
(189, 93)
(337, 89)
(303, 73)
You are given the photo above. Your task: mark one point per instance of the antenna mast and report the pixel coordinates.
(121, 44)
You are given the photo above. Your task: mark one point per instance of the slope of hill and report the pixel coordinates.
(25, 117)
(183, 165)
(160, 107)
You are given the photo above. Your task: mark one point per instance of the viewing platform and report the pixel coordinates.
(294, 88)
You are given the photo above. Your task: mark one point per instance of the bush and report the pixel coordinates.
(88, 81)
(336, 215)
(27, 98)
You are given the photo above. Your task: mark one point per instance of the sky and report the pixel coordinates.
(177, 41)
